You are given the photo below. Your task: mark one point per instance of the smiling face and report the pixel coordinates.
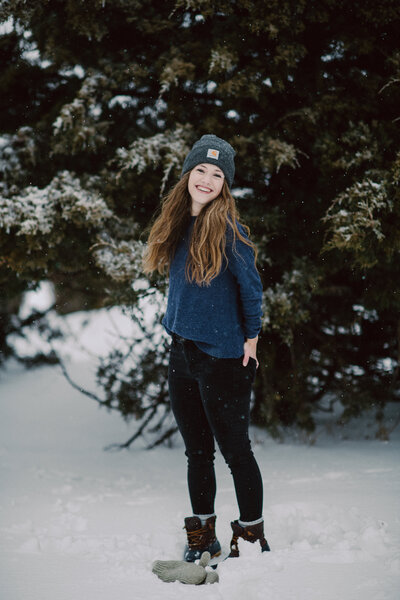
(204, 185)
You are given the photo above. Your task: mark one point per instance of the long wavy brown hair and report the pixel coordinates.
(207, 247)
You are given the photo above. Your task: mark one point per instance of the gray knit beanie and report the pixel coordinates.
(212, 149)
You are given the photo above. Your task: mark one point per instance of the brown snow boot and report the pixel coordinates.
(201, 538)
(250, 533)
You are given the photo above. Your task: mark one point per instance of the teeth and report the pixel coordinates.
(203, 189)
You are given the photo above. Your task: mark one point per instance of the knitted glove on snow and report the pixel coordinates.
(179, 570)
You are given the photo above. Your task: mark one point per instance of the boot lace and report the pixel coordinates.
(234, 545)
(195, 538)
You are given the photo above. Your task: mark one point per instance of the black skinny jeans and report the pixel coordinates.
(210, 398)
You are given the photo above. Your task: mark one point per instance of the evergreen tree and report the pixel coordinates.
(102, 99)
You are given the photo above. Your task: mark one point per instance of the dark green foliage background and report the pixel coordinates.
(309, 95)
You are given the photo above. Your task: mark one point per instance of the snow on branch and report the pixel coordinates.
(17, 151)
(354, 219)
(221, 60)
(175, 69)
(275, 153)
(35, 211)
(287, 304)
(167, 149)
(122, 261)
(357, 146)
(78, 126)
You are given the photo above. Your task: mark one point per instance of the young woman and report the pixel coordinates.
(214, 317)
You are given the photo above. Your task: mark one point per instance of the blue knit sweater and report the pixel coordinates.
(220, 316)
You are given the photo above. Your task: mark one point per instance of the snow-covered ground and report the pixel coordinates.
(80, 523)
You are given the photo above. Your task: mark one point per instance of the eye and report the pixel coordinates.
(218, 175)
(200, 170)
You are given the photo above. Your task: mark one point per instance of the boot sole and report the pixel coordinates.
(218, 558)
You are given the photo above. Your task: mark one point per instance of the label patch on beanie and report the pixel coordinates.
(213, 153)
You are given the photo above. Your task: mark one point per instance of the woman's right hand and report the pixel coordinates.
(250, 351)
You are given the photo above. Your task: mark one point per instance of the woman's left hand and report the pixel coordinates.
(250, 351)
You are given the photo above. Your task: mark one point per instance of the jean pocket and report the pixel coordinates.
(251, 368)
(175, 347)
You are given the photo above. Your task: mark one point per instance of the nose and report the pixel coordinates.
(206, 178)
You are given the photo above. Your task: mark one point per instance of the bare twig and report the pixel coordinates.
(76, 386)
(390, 82)
(168, 434)
(136, 435)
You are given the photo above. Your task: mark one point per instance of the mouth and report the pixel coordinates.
(203, 190)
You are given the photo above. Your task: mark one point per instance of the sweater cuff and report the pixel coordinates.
(251, 333)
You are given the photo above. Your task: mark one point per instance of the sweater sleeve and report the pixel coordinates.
(241, 265)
